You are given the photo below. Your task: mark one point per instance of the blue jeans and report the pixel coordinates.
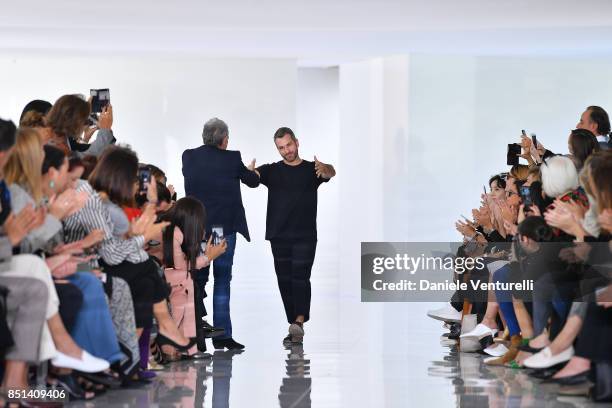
(504, 299)
(222, 273)
(93, 330)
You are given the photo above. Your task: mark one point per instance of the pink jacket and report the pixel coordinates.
(182, 305)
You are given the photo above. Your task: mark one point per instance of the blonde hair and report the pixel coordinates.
(535, 173)
(600, 170)
(32, 119)
(519, 172)
(584, 177)
(24, 166)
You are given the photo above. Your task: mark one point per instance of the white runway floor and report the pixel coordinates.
(354, 355)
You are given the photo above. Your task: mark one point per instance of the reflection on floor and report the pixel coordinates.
(354, 355)
(187, 384)
(295, 388)
(481, 386)
(205, 383)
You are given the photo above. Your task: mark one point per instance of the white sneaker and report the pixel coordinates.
(446, 314)
(489, 359)
(545, 359)
(496, 350)
(479, 332)
(87, 363)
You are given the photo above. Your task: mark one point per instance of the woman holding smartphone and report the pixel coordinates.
(183, 253)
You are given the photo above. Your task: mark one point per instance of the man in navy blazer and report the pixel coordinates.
(596, 119)
(213, 175)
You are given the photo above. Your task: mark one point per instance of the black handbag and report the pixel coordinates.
(6, 338)
(602, 391)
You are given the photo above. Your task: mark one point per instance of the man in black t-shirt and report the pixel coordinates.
(291, 225)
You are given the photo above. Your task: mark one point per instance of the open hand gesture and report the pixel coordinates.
(18, 226)
(323, 170)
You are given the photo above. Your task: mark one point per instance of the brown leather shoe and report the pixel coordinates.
(510, 355)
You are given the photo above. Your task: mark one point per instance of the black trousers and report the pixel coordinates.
(71, 300)
(594, 339)
(293, 261)
(146, 285)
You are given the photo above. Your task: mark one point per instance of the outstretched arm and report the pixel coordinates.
(248, 175)
(323, 170)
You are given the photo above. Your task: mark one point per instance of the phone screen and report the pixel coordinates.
(534, 140)
(99, 99)
(514, 150)
(217, 234)
(144, 177)
(525, 193)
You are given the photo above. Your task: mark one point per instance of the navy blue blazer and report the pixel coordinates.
(213, 176)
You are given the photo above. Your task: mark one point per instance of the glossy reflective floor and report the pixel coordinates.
(354, 355)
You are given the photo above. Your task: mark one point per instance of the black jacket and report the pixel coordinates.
(213, 176)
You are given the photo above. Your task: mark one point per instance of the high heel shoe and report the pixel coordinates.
(69, 383)
(156, 353)
(162, 340)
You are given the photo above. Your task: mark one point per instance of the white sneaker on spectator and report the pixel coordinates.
(87, 363)
(545, 359)
(446, 314)
(496, 350)
(479, 332)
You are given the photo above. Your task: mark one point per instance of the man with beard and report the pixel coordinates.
(291, 225)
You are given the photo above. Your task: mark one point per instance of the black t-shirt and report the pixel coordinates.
(292, 200)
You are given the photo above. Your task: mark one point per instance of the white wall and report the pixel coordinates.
(318, 127)
(161, 103)
(446, 123)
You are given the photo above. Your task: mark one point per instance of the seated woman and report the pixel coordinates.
(23, 174)
(182, 254)
(67, 120)
(113, 183)
(99, 339)
(116, 289)
(26, 307)
(588, 325)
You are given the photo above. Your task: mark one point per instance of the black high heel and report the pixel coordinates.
(162, 340)
(69, 383)
(157, 354)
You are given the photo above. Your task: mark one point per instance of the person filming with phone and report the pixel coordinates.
(213, 175)
(70, 117)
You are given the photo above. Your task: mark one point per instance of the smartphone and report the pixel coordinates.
(523, 132)
(525, 194)
(484, 189)
(534, 140)
(99, 99)
(514, 150)
(144, 177)
(217, 234)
